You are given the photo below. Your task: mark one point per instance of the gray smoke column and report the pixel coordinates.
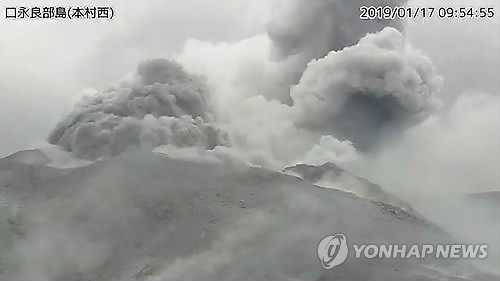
(313, 28)
(363, 92)
(162, 104)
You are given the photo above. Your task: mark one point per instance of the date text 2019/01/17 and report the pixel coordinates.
(402, 12)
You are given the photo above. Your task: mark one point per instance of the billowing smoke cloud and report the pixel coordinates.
(352, 97)
(361, 92)
(160, 105)
(302, 30)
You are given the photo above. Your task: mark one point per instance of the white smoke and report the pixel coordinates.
(160, 105)
(247, 88)
(330, 149)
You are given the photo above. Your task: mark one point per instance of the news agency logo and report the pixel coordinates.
(333, 251)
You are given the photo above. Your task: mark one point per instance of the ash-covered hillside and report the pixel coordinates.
(142, 216)
(332, 176)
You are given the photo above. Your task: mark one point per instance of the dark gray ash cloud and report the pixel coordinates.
(379, 86)
(162, 104)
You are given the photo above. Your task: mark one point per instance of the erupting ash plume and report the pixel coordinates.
(377, 86)
(161, 104)
(340, 82)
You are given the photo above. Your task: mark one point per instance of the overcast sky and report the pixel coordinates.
(44, 65)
